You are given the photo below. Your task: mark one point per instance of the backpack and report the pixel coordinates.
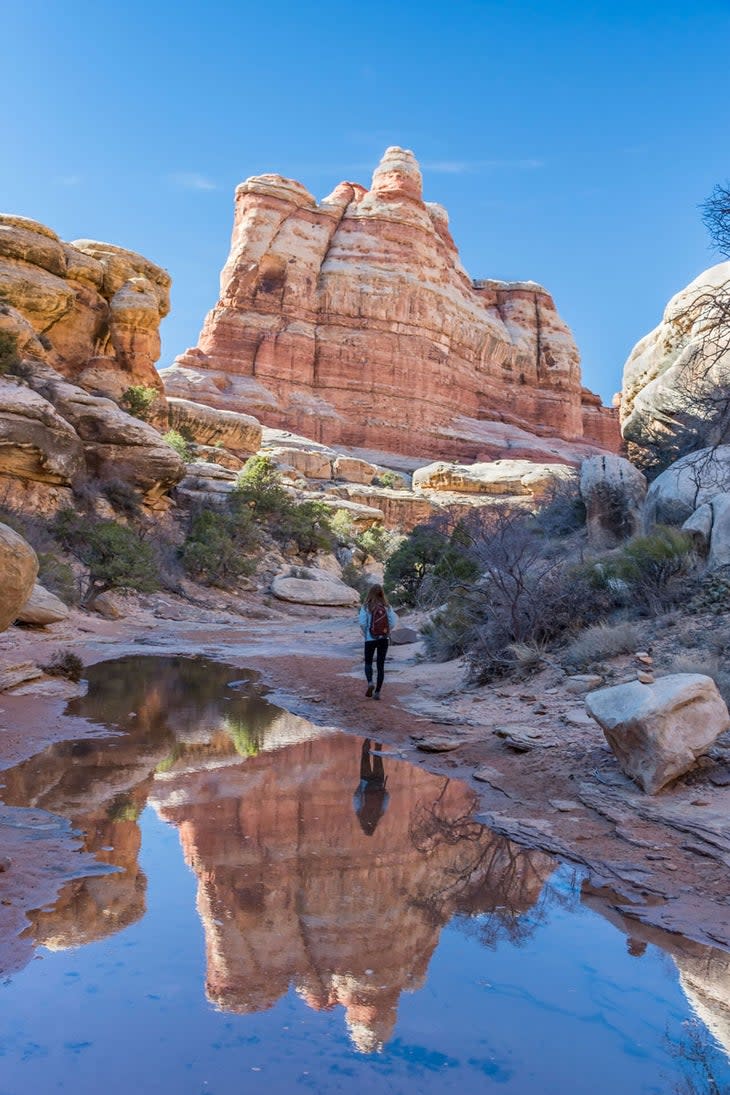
(379, 626)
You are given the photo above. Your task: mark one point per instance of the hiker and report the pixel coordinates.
(377, 619)
(371, 798)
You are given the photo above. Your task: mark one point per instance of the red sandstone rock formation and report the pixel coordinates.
(352, 321)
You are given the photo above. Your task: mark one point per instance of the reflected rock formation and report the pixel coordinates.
(293, 891)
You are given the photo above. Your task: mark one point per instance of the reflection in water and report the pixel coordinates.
(295, 887)
(300, 883)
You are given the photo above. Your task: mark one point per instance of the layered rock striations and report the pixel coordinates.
(353, 321)
(91, 310)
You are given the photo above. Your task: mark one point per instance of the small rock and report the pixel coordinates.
(485, 774)
(644, 658)
(540, 709)
(720, 779)
(645, 678)
(564, 805)
(5, 863)
(583, 682)
(436, 745)
(13, 675)
(108, 606)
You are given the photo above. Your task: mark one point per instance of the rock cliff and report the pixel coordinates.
(91, 310)
(353, 321)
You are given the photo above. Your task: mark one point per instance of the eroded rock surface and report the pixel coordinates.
(353, 321)
(613, 492)
(92, 310)
(676, 377)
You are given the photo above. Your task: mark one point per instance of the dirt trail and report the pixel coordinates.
(662, 860)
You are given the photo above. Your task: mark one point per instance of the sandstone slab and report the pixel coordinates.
(42, 607)
(210, 426)
(497, 477)
(657, 731)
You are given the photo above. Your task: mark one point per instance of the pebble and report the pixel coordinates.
(5, 863)
(645, 678)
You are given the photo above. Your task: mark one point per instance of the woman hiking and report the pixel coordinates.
(377, 619)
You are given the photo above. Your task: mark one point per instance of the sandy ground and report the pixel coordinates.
(544, 774)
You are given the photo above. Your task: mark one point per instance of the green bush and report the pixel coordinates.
(343, 527)
(377, 542)
(9, 356)
(137, 400)
(428, 556)
(387, 479)
(180, 444)
(307, 524)
(218, 547)
(260, 489)
(653, 566)
(116, 555)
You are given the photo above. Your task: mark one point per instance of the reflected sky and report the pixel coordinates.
(292, 907)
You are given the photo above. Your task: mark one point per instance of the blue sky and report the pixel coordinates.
(570, 142)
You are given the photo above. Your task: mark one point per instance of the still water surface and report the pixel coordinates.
(285, 910)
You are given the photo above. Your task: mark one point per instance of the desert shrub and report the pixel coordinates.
(387, 479)
(180, 444)
(65, 664)
(307, 524)
(654, 566)
(343, 527)
(57, 576)
(137, 400)
(260, 489)
(116, 555)
(427, 563)
(561, 510)
(218, 547)
(9, 356)
(604, 640)
(377, 542)
(120, 494)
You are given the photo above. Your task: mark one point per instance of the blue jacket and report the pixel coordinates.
(364, 620)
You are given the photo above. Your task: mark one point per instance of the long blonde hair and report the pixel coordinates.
(376, 596)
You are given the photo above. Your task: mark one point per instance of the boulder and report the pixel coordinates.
(36, 443)
(657, 731)
(719, 553)
(353, 470)
(210, 426)
(308, 586)
(42, 607)
(18, 567)
(497, 477)
(108, 605)
(686, 485)
(312, 464)
(20, 673)
(116, 444)
(352, 319)
(699, 526)
(676, 378)
(402, 636)
(613, 492)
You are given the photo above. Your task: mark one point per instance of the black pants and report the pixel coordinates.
(379, 648)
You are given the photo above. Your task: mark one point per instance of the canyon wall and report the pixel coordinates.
(352, 321)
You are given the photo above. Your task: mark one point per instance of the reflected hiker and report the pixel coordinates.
(377, 619)
(371, 798)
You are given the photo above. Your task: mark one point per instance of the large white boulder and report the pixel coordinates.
(686, 485)
(657, 731)
(210, 425)
(310, 586)
(677, 376)
(613, 492)
(18, 569)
